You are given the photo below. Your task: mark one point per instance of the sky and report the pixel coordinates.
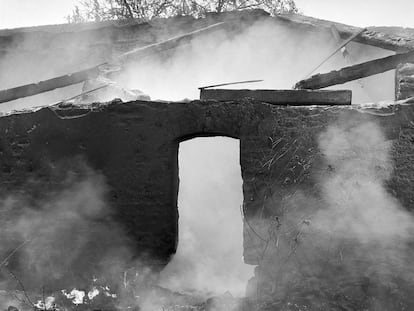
(22, 13)
(361, 13)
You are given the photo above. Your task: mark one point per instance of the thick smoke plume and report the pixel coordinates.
(66, 243)
(350, 239)
(210, 250)
(266, 50)
(354, 225)
(355, 191)
(360, 211)
(63, 240)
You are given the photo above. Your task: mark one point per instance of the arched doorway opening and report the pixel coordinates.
(210, 236)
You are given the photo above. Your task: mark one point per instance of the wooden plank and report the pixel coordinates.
(80, 76)
(342, 45)
(47, 85)
(355, 72)
(281, 97)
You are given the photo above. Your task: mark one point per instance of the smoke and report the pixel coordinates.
(360, 211)
(33, 55)
(359, 205)
(355, 221)
(209, 258)
(66, 243)
(351, 238)
(265, 50)
(353, 231)
(262, 51)
(63, 240)
(279, 55)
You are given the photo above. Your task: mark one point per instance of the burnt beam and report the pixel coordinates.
(281, 97)
(80, 76)
(355, 72)
(47, 85)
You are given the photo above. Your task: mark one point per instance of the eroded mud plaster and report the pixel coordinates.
(135, 146)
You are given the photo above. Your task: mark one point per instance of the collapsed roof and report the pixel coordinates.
(396, 39)
(121, 37)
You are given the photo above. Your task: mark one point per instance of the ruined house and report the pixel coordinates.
(134, 144)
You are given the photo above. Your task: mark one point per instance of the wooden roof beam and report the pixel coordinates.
(281, 97)
(80, 76)
(355, 72)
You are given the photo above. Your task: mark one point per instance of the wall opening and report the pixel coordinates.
(210, 240)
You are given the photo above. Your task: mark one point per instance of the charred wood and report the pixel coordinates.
(281, 97)
(355, 72)
(80, 76)
(47, 85)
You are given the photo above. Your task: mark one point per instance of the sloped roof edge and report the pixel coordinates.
(397, 39)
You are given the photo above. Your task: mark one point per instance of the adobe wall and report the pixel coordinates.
(134, 145)
(404, 81)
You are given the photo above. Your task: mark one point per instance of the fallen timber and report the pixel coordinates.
(355, 72)
(281, 97)
(342, 45)
(90, 73)
(48, 85)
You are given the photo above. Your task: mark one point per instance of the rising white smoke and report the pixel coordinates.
(352, 237)
(355, 191)
(209, 255)
(360, 209)
(61, 240)
(265, 50)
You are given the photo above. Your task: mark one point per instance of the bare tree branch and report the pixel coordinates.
(22, 288)
(147, 9)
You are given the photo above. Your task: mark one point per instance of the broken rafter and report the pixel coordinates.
(355, 72)
(47, 85)
(342, 45)
(80, 76)
(281, 97)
